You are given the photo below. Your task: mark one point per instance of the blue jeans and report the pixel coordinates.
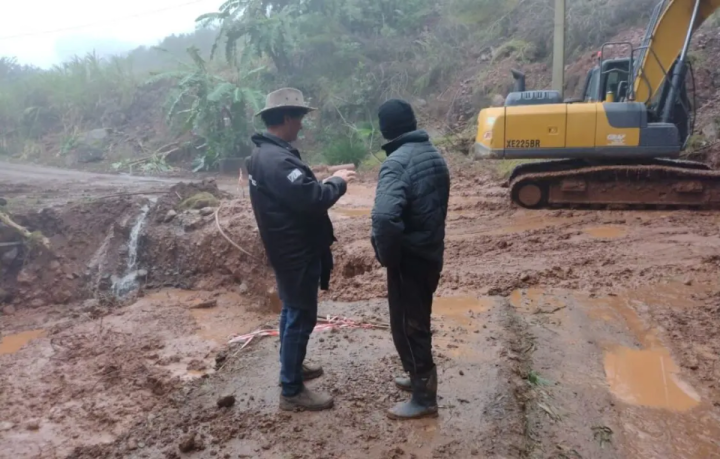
(297, 321)
(296, 325)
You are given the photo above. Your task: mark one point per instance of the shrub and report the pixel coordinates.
(344, 150)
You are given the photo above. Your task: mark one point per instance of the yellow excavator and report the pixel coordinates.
(619, 144)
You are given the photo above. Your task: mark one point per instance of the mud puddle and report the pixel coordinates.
(11, 344)
(519, 223)
(216, 319)
(599, 352)
(659, 411)
(360, 212)
(461, 310)
(648, 377)
(606, 232)
(353, 212)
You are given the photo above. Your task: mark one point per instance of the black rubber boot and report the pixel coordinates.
(423, 402)
(403, 383)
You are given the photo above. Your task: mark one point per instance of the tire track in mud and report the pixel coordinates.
(582, 400)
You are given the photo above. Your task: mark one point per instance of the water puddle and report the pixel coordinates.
(216, 326)
(538, 301)
(662, 414)
(606, 232)
(354, 212)
(461, 309)
(648, 377)
(524, 223)
(10, 344)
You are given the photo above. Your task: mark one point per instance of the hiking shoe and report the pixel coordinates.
(403, 383)
(423, 402)
(309, 372)
(307, 400)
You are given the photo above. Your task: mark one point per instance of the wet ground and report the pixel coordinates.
(558, 334)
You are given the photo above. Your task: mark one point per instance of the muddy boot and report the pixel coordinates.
(423, 402)
(311, 371)
(307, 400)
(403, 383)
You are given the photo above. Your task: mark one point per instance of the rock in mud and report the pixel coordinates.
(4, 426)
(4, 296)
(226, 401)
(205, 211)
(32, 425)
(10, 256)
(91, 303)
(170, 216)
(189, 443)
(220, 359)
(208, 304)
(200, 201)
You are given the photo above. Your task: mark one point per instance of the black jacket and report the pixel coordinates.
(290, 207)
(411, 202)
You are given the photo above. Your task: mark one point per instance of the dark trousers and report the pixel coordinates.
(411, 287)
(297, 322)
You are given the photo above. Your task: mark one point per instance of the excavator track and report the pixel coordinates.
(653, 183)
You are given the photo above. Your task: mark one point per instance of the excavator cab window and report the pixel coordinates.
(606, 77)
(591, 85)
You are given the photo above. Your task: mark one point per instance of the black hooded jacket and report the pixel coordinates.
(411, 202)
(291, 210)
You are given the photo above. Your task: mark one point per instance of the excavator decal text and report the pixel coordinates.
(523, 143)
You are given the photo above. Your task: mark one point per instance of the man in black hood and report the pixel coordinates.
(291, 210)
(408, 235)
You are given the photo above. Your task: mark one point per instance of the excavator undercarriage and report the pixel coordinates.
(647, 184)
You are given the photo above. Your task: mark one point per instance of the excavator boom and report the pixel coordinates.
(664, 40)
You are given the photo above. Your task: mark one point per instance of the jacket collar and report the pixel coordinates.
(416, 136)
(261, 138)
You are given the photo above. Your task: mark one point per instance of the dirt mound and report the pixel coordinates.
(188, 250)
(34, 276)
(177, 242)
(184, 196)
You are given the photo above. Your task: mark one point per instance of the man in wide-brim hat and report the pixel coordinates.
(291, 210)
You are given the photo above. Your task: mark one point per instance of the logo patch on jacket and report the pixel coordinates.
(294, 175)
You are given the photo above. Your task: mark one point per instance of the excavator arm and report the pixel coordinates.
(664, 41)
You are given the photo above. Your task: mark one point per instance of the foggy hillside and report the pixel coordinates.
(196, 92)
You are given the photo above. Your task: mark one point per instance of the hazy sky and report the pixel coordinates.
(43, 44)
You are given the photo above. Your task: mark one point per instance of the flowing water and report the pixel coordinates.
(128, 282)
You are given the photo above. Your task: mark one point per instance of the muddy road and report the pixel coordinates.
(558, 334)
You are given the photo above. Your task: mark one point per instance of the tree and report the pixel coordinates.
(215, 109)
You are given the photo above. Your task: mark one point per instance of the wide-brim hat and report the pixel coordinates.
(285, 98)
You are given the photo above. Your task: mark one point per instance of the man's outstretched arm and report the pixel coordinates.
(302, 192)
